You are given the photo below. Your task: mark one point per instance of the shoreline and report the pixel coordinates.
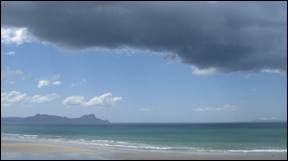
(16, 149)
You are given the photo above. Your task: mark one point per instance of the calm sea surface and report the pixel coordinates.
(198, 137)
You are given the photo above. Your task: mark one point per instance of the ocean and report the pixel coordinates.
(233, 137)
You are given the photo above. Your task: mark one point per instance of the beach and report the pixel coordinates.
(15, 149)
(145, 141)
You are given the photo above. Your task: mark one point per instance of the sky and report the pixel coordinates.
(145, 61)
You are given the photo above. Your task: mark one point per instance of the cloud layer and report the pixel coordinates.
(15, 35)
(54, 80)
(105, 99)
(223, 36)
(44, 98)
(11, 97)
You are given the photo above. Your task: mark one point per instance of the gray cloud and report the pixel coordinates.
(228, 36)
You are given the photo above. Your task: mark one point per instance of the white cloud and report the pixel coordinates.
(116, 99)
(12, 97)
(43, 99)
(276, 71)
(105, 99)
(74, 100)
(15, 35)
(10, 53)
(225, 108)
(43, 83)
(206, 71)
(56, 83)
(9, 98)
(52, 81)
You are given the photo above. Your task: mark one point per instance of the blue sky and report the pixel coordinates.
(40, 74)
(152, 89)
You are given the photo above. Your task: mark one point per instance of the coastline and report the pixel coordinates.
(22, 149)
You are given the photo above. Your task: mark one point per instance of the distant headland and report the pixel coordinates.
(90, 119)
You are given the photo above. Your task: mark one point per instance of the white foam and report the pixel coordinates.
(259, 150)
(18, 136)
(120, 144)
(123, 144)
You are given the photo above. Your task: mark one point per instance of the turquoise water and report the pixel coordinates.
(224, 136)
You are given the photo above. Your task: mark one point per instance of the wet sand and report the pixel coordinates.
(14, 149)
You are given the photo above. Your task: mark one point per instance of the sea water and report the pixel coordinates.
(230, 137)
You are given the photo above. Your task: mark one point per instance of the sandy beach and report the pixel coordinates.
(14, 149)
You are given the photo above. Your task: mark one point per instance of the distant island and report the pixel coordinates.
(54, 120)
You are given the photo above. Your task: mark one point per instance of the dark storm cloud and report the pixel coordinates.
(229, 36)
